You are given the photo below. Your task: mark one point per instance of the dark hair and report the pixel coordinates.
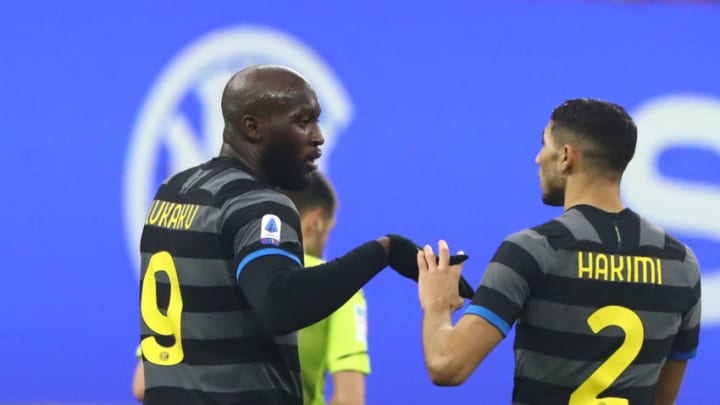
(606, 133)
(318, 194)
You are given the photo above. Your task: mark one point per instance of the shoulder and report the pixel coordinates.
(537, 238)
(256, 202)
(527, 236)
(672, 248)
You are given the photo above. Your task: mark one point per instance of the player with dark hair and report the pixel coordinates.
(607, 304)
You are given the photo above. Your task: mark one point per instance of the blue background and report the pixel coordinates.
(449, 99)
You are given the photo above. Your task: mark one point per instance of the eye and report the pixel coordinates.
(305, 121)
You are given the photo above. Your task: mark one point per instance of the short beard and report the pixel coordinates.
(279, 162)
(554, 197)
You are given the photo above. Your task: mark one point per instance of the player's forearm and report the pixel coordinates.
(669, 381)
(348, 388)
(290, 300)
(440, 361)
(346, 401)
(138, 384)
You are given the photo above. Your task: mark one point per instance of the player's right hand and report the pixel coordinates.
(437, 279)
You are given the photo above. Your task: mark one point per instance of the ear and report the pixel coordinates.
(314, 220)
(568, 158)
(320, 222)
(251, 129)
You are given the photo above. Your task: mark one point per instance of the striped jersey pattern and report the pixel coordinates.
(600, 301)
(201, 341)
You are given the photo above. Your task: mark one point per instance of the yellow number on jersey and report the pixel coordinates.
(158, 322)
(610, 369)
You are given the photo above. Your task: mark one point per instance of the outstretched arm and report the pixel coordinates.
(288, 298)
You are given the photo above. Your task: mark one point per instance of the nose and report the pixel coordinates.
(316, 137)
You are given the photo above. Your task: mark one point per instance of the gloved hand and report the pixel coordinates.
(402, 257)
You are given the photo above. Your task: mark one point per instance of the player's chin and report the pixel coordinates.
(299, 181)
(310, 166)
(553, 199)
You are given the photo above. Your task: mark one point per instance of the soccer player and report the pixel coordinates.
(338, 343)
(223, 288)
(607, 304)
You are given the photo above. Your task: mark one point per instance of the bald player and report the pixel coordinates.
(223, 288)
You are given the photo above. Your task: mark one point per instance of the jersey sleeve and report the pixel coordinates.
(509, 278)
(686, 341)
(347, 337)
(261, 223)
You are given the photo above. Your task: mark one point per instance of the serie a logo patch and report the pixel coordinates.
(270, 227)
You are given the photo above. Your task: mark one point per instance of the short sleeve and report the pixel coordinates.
(688, 336)
(261, 223)
(508, 280)
(347, 337)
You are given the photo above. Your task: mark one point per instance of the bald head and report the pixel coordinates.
(271, 124)
(260, 90)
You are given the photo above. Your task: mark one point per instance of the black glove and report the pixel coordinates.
(402, 257)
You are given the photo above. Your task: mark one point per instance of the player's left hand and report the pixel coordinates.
(438, 280)
(402, 257)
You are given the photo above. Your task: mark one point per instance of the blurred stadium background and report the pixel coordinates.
(101, 100)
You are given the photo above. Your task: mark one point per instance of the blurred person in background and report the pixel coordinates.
(337, 344)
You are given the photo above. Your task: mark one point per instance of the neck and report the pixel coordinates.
(251, 159)
(311, 243)
(596, 191)
(312, 248)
